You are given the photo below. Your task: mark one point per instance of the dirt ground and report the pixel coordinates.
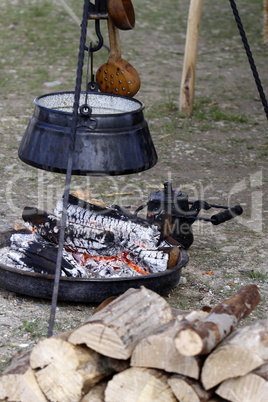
(219, 154)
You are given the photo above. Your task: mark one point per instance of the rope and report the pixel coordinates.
(69, 167)
(250, 57)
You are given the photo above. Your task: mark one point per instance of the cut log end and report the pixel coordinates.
(188, 342)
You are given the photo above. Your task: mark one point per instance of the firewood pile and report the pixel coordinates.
(137, 348)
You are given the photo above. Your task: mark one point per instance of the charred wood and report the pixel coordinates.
(34, 253)
(125, 226)
(77, 236)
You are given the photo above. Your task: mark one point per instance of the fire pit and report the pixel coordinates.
(83, 289)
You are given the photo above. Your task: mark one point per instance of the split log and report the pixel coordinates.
(96, 394)
(158, 350)
(139, 384)
(18, 382)
(188, 390)
(115, 330)
(240, 353)
(202, 337)
(65, 371)
(251, 387)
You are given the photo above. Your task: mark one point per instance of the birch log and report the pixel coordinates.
(251, 387)
(115, 330)
(240, 353)
(188, 390)
(190, 55)
(202, 337)
(18, 382)
(158, 350)
(139, 384)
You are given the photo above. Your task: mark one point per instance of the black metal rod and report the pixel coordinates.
(249, 56)
(69, 168)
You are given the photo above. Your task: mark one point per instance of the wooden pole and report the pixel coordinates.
(190, 55)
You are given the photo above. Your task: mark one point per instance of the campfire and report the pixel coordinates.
(99, 242)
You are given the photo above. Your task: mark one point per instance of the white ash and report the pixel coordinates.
(127, 231)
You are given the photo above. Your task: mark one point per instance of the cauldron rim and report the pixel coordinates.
(127, 99)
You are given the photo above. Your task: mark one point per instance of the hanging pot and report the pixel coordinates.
(112, 136)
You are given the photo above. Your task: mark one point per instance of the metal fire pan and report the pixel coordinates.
(84, 290)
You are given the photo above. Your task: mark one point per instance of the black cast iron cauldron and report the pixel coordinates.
(82, 289)
(112, 138)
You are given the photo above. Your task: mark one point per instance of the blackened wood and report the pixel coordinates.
(76, 235)
(125, 226)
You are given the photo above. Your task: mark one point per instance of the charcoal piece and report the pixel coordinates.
(32, 251)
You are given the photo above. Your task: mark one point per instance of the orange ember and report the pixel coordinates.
(119, 258)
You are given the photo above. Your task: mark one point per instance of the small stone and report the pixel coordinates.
(52, 83)
(183, 280)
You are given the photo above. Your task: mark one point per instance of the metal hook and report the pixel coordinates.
(99, 44)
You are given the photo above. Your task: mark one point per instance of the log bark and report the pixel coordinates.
(18, 382)
(251, 387)
(188, 390)
(115, 330)
(240, 353)
(201, 338)
(139, 384)
(158, 350)
(65, 371)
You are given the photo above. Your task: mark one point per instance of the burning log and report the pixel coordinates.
(243, 351)
(115, 330)
(19, 382)
(56, 361)
(93, 234)
(76, 237)
(158, 350)
(250, 387)
(188, 390)
(202, 337)
(32, 252)
(125, 227)
(139, 384)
